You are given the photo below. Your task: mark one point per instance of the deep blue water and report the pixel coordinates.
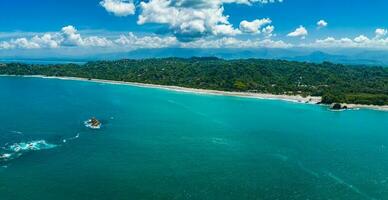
(157, 144)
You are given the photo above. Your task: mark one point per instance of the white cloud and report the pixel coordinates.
(24, 43)
(96, 41)
(190, 19)
(232, 42)
(46, 41)
(119, 8)
(6, 45)
(254, 26)
(132, 41)
(299, 32)
(68, 36)
(36, 42)
(331, 42)
(361, 41)
(268, 31)
(380, 32)
(71, 37)
(322, 23)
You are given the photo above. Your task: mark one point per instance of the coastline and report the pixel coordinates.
(289, 98)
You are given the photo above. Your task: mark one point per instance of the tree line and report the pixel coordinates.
(335, 83)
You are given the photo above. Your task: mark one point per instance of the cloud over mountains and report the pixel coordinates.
(187, 19)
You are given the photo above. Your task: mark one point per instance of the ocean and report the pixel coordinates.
(160, 144)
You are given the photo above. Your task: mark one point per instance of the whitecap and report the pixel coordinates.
(31, 146)
(5, 156)
(16, 150)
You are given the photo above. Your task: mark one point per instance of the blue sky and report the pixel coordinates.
(124, 25)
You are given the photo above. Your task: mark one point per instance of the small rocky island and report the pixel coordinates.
(93, 123)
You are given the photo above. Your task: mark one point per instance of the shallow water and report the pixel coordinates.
(157, 144)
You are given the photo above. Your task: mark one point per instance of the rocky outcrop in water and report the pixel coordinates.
(338, 106)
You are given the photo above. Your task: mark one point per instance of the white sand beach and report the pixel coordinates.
(290, 98)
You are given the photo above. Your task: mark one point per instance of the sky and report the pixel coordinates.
(125, 25)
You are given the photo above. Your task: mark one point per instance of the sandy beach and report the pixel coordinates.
(290, 98)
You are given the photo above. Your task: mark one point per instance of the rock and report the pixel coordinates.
(93, 123)
(338, 106)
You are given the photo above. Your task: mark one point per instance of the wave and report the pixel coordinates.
(31, 146)
(16, 150)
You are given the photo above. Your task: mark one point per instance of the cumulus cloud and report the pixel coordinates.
(119, 8)
(321, 24)
(132, 41)
(36, 42)
(191, 19)
(70, 37)
(187, 19)
(299, 32)
(46, 41)
(232, 42)
(67, 37)
(268, 31)
(23, 43)
(380, 32)
(361, 41)
(254, 26)
(96, 41)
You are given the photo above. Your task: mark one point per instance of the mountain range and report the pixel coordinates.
(350, 56)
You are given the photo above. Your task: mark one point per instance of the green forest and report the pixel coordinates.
(335, 83)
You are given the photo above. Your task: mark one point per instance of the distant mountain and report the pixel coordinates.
(187, 53)
(360, 58)
(342, 56)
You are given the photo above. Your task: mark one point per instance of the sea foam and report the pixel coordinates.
(31, 146)
(18, 149)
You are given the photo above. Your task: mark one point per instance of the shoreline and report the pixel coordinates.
(289, 98)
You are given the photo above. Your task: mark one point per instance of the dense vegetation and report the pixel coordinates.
(334, 82)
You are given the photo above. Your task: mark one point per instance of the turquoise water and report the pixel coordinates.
(157, 144)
